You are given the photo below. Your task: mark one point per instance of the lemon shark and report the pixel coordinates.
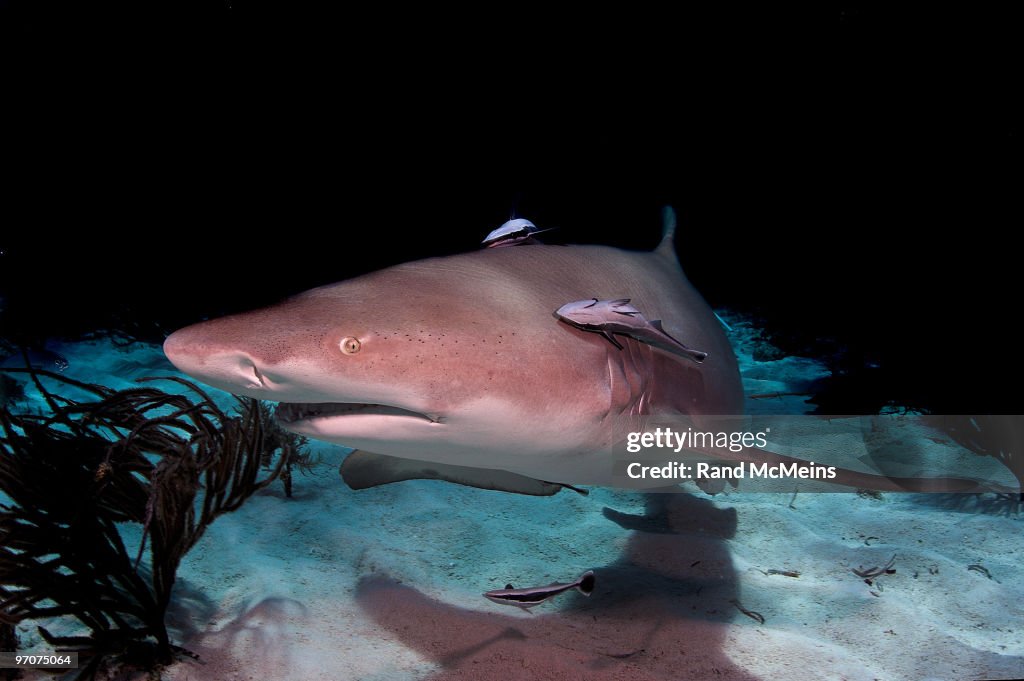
(455, 368)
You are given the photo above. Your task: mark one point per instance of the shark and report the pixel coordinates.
(454, 368)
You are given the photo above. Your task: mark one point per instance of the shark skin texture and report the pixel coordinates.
(459, 360)
(455, 368)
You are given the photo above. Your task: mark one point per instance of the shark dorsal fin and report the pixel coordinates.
(668, 232)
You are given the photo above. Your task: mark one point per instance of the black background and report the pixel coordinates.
(851, 175)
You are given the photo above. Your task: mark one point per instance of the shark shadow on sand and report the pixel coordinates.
(662, 608)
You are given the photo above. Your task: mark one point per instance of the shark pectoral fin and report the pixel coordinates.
(361, 470)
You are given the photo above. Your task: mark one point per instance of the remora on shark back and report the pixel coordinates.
(453, 368)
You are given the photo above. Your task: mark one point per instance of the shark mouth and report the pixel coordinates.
(293, 412)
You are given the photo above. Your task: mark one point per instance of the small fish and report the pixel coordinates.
(608, 317)
(515, 232)
(527, 598)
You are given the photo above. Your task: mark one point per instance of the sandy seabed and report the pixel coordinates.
(386, 583)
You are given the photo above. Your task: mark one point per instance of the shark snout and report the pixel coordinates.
(193, 352)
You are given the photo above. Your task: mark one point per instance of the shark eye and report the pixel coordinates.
(350, 345)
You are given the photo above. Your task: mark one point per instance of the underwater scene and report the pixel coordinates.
(437, 345)
(525, 491)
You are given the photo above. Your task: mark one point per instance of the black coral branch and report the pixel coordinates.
(169, 462)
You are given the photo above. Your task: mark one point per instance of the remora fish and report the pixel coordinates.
(517, 232)
(458, 361)
(608, 317)
(528, 598)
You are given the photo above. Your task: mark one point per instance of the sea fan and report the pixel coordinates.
(169, 462)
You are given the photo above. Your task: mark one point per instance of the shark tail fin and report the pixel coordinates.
(668, 232)
(587, 581)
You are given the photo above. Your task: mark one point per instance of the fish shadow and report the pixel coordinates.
(663, 607)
